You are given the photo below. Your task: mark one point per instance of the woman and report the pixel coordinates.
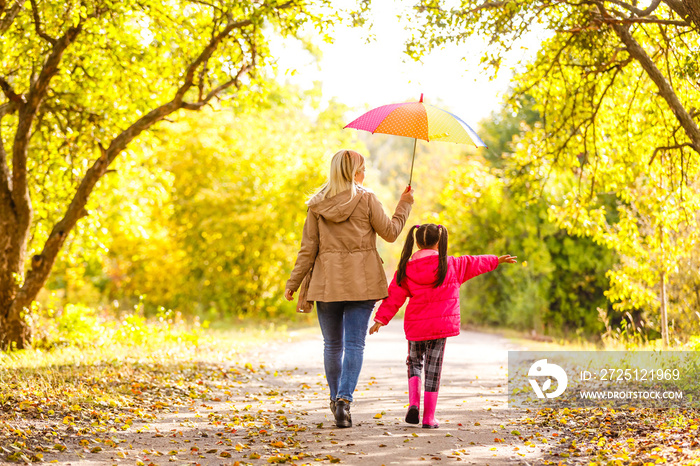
(339, 241)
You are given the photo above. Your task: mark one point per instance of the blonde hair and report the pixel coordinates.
(344, 166)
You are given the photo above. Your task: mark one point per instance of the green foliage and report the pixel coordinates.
(559, 282)
(219, 230)
(128, 58)
(619, 150)
(83, 83)
(77, 325)
(81, 327)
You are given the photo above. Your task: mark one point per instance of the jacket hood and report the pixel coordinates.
(424, 270)
(337, 208)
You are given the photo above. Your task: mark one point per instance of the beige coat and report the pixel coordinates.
(340, 241)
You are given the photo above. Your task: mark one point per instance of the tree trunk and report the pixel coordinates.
(665, 90)
(664, 311)
(14, 331)
(17, 291)
(692, 8)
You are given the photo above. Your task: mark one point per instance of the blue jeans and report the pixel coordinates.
(344, 327)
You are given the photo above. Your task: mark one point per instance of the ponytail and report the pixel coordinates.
(442, 256)
(406, 255)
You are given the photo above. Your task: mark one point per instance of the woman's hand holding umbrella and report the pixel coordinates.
(407, 195)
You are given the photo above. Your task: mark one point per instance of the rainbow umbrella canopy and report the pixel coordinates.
(417, 120)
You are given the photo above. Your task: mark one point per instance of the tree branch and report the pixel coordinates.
(654, 5)
(649, 19)
(7, 108)
(42, 263)
(10, 15)
(217, 90)
(658, 149)
(37, 25)
(665, 90)
(26, 116)
(9, 92)
(205, 55)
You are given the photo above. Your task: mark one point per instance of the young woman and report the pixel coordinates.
(431, 280)
(339, 241)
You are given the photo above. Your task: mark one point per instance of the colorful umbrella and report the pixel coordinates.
(419, 121)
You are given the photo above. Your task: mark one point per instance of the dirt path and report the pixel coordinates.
(274, 409)
(471, 407)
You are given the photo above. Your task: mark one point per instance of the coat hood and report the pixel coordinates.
(337, 208)
(423, 270)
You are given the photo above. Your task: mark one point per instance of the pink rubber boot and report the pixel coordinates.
(429, 404)
(414, 385)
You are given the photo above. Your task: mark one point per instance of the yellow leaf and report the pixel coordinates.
(378, 416)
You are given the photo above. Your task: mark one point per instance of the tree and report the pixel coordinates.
(235, 182)
(82, 80)
(560, 281)
(616, 86)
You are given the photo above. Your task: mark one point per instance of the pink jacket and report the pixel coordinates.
(432, 313)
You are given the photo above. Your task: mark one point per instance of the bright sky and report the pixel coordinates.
(367, 75)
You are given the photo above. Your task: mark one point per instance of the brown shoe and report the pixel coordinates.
(342, 413)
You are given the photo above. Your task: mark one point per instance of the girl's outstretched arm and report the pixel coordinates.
(471, 266)
(468, 267)
(392, 303)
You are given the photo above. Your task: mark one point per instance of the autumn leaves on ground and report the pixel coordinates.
(186, 395)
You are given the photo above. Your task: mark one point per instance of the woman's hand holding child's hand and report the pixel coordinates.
(375, 328)
(507, 259)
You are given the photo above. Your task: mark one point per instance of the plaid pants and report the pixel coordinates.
(432, 351)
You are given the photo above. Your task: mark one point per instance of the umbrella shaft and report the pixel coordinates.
(413, 158)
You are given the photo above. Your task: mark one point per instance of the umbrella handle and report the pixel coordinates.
(413, 158)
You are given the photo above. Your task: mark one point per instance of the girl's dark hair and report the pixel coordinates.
(427, 235)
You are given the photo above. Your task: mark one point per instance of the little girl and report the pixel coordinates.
(431, 280)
